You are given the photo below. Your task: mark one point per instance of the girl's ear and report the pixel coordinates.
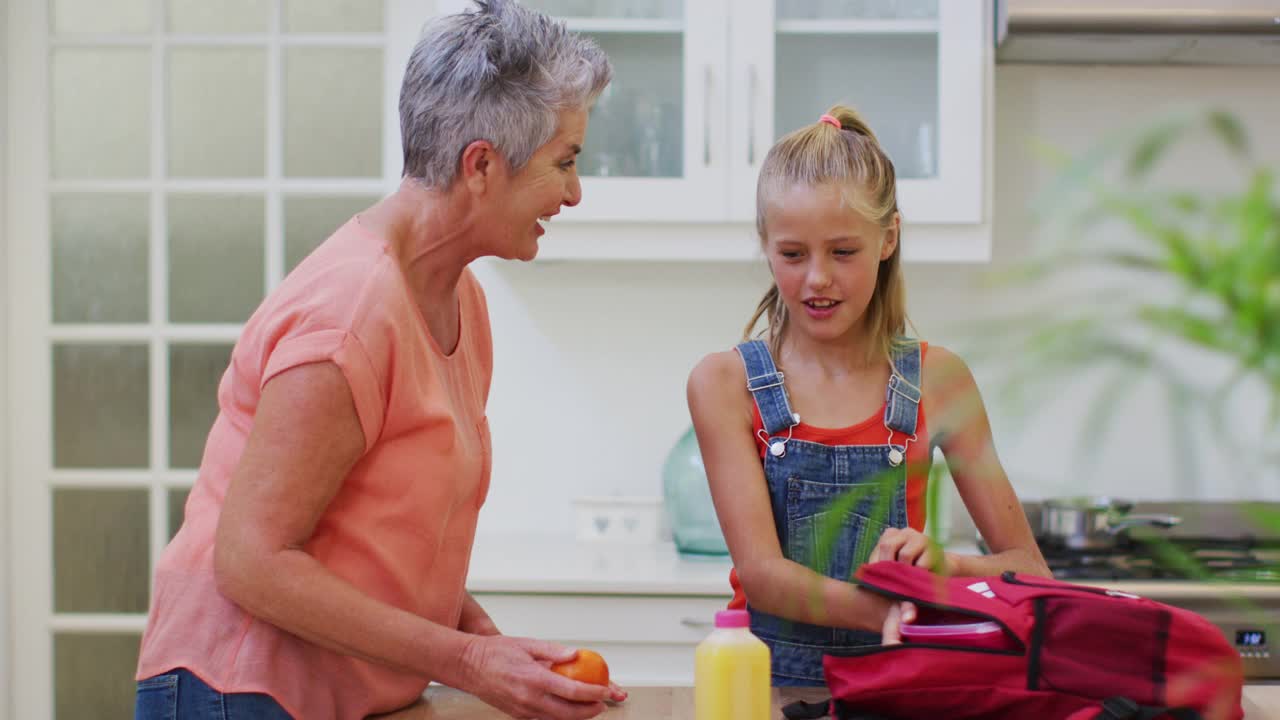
(891, 238)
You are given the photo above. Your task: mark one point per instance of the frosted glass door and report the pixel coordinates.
(178, 158)
(912, 68)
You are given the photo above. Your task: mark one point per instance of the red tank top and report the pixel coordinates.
(868, 432)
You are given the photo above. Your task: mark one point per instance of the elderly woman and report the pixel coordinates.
(320, 570)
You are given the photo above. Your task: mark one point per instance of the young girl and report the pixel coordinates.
(837, 400)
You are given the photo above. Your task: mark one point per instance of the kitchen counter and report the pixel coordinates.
(1261, 702)
(554, 565)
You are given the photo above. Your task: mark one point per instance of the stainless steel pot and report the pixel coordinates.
(1093, 523)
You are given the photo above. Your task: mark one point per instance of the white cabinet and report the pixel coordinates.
(657, 146)
(646, 639)
(703, 88)
(915, 69)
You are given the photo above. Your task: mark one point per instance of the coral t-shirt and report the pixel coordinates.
(868, 432)
(402, 525)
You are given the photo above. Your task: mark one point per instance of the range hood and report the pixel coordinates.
(1187, 32)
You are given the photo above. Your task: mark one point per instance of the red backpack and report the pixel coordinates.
(1063, 652)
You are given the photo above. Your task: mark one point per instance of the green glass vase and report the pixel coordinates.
(688, 500)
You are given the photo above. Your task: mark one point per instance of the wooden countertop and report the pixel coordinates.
(1262, 702)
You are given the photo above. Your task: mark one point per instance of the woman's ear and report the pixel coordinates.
(891, 234)
(478, 165)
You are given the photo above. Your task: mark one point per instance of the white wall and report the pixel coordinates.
(591, 359)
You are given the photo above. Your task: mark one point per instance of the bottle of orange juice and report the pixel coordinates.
(731, 672)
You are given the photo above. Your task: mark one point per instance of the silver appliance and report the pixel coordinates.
(1222, 560)
(1182, 32)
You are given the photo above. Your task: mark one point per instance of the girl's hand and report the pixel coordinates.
(898, 615)
(912, 547)
(513, 675)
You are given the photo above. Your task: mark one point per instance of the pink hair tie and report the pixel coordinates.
(830, 121)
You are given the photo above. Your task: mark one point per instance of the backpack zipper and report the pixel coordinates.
(937, 606)
(873, 649)
(1012, 578)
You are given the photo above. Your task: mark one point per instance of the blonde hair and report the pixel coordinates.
(850, 155)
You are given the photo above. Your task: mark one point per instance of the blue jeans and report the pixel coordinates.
(180, 695)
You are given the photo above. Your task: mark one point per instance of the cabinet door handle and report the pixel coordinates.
(696, 624)
(707, 121)
(751, 115)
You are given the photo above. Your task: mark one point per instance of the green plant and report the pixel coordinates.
(1200, 278)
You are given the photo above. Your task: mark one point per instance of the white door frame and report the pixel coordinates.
(6, 582)
(27, 367)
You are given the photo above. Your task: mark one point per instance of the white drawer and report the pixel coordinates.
(619, 619)
(648, 665)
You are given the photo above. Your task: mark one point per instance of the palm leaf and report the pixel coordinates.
(1229, 130)
(828, 527)
(1206, 332)
(1153, 145)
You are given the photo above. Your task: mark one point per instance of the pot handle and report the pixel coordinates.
(1128, 521)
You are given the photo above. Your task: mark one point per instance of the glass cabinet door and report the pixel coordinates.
(637, 126)
(912, 68)
(655, 143)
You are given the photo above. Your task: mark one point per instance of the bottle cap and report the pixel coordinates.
(733, 619)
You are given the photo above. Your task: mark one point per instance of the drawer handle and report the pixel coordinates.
(698, 624)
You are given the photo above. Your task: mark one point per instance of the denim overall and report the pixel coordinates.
(804, 478)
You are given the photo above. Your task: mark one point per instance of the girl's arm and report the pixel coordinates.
(722, 418)
(958, 418)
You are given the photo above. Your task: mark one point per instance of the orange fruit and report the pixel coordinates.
(587, 667)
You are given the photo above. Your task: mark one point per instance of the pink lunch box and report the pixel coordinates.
(981, 634)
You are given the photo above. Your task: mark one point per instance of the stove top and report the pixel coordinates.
(1221, 541)
(1179, 560)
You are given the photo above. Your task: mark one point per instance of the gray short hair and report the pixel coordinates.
(501, 73)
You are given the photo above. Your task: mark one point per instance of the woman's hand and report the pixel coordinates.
(616, 694)
(513, 675)
(912, 547)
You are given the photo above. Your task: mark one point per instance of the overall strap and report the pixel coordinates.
(902, 397)
(764, 380)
